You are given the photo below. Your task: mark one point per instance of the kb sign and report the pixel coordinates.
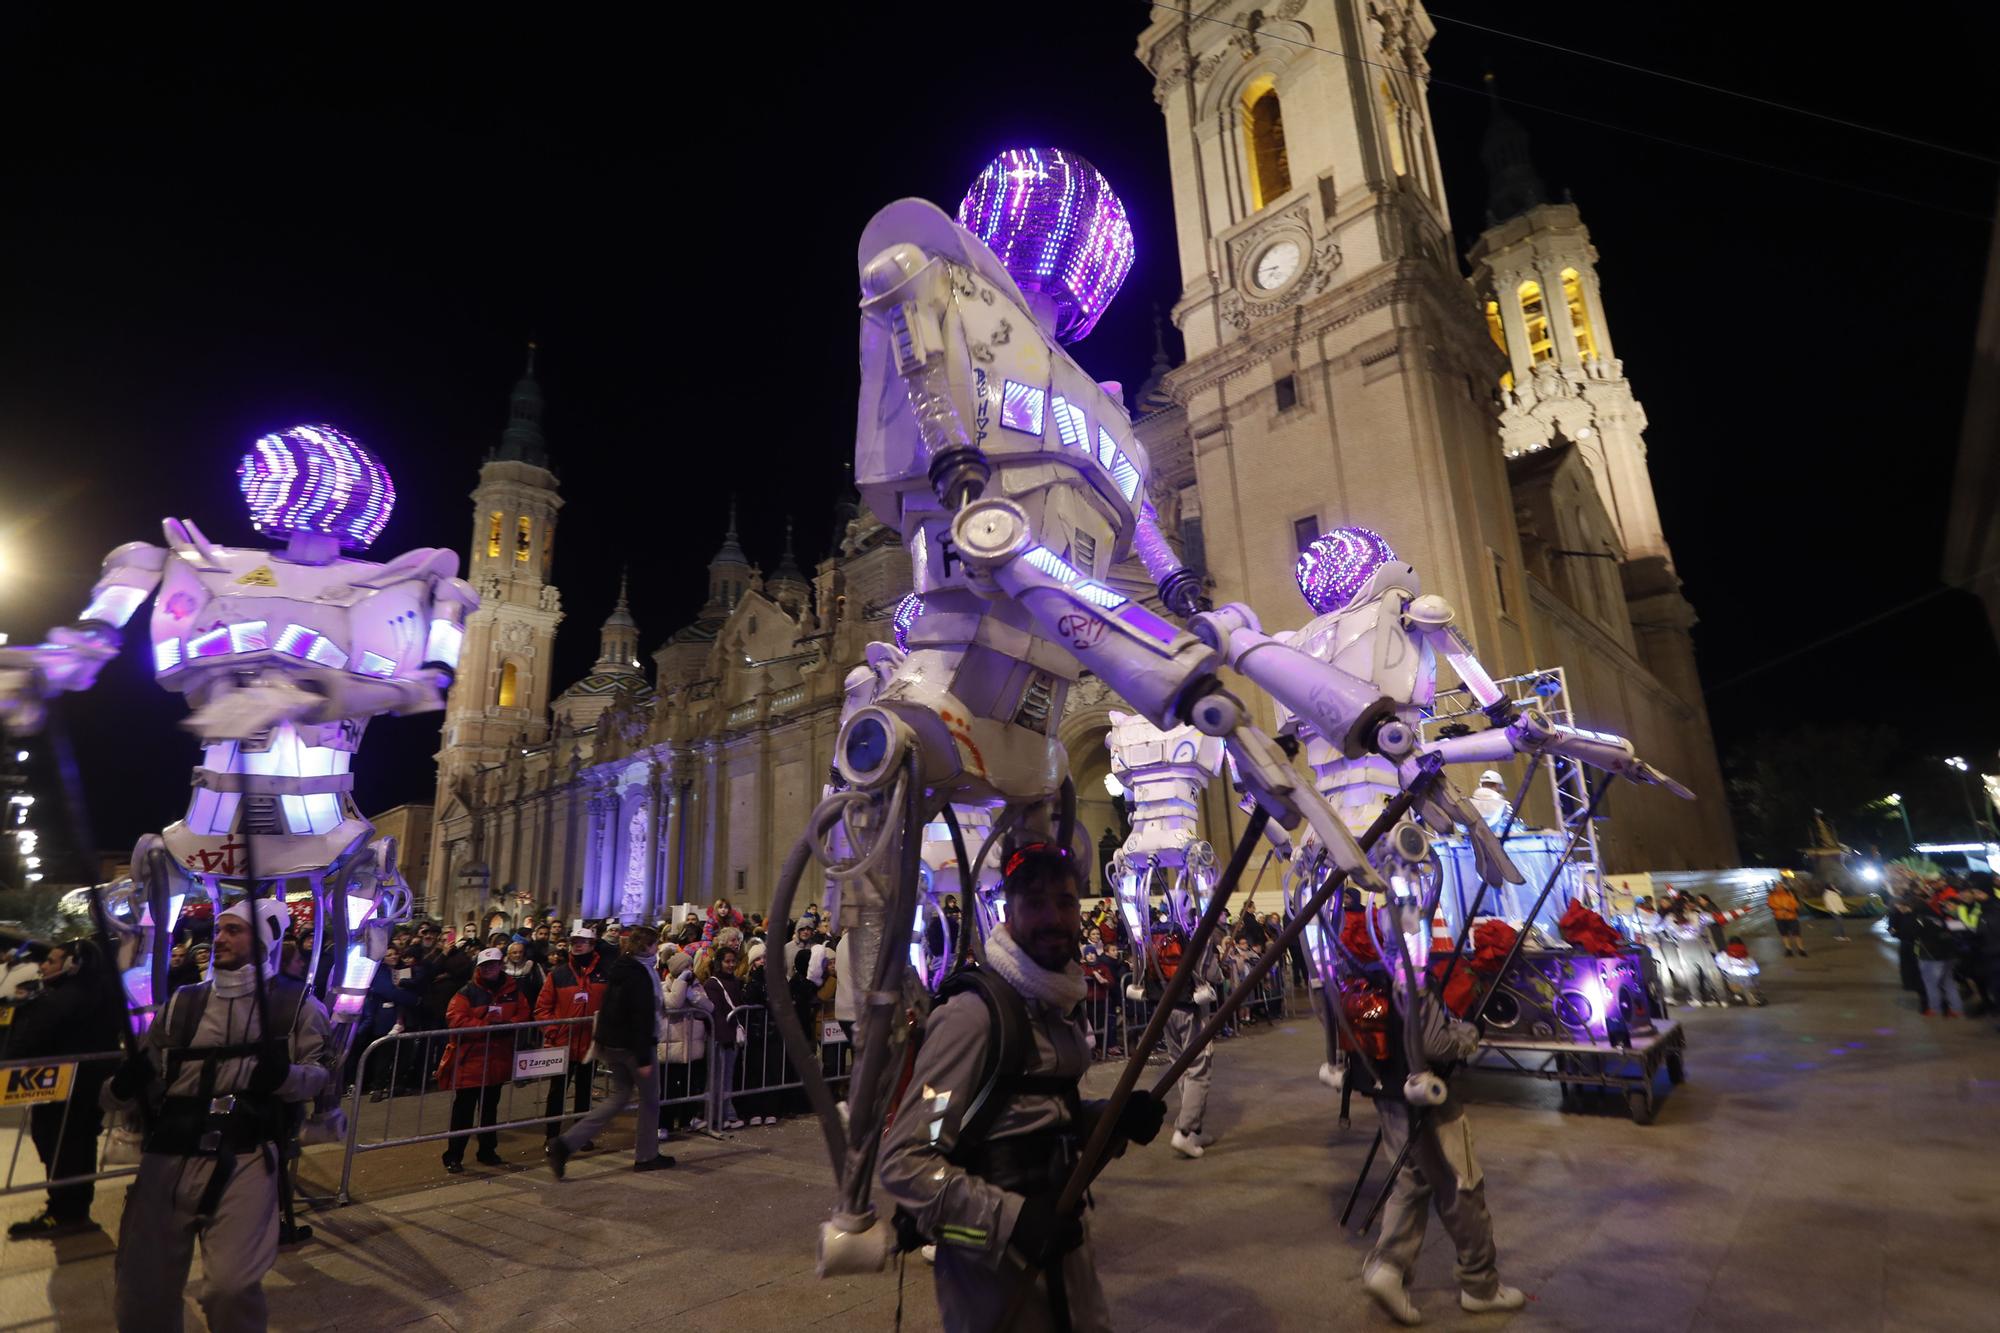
(36, 1083)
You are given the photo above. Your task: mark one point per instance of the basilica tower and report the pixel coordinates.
(1535, 273)
(1337, 370)
(500, 698)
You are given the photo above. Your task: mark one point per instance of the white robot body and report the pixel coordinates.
(1164, 774)
(284, 656)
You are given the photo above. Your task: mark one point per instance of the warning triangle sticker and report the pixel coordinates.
(260, 577)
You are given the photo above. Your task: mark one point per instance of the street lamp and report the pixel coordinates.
(1979, 826)
(1895, 798)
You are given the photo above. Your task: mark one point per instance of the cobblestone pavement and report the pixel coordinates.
(1828, 1164)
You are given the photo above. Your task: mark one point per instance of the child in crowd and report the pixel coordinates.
(1739, 972)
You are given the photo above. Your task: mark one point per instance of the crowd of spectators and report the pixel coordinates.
(1948, 943)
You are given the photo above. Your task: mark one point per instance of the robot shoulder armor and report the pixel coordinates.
(1430, 611)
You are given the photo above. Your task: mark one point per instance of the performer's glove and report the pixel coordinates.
(1204, 994)
(274, 1065)
(1040, 1235)
(134, 1075)
(1142, 1117)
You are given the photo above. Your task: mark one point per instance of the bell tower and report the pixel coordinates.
(500, 698)
(1338, 371)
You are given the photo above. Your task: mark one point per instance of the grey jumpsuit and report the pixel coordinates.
(1182, 1024)
(1441, 1172)
(971, 1218)
(239, 1243)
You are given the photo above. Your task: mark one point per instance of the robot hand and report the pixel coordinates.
(31, 676)
(1273, 783)
(1442, 809)
(1535, 734)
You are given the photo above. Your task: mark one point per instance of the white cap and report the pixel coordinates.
(1491, 775)
(277, 919)
(489, 956)
(582, 932)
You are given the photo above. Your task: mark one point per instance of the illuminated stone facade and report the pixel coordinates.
(1341, 370)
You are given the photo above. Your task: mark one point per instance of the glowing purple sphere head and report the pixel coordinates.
(1338, 564)
(316, 479)
(1053, 222)
(905, 615)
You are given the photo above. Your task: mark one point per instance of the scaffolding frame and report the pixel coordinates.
(1546, 691)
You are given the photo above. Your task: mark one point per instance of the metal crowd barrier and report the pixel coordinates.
(763, 1065)
(30, 1093)
(412, 1059)
(417, 1110)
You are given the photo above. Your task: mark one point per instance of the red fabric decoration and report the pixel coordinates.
(1738, 951)
(1461, 992)
(1490, 942)
(1587, 931)
(1354, 937)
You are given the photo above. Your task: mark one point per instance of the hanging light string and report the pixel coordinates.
(1773, 103)
(1433, 81)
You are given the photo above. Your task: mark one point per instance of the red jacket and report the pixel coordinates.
(475, 1061)
(573, 991)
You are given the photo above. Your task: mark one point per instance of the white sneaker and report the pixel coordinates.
(1185, 1146)
(1506, 1298)
(1204, 1138)
(732, 1124)
(1385, 1284)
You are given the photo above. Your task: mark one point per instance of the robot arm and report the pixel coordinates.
(1180, 587)
(1533, 734)
(1167, 674)
(75, 653)
(1350, 712)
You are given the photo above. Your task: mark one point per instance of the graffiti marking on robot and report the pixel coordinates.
(221, 860)
(961, 731)
(260, 577)
(1082, 629)
(979, 396)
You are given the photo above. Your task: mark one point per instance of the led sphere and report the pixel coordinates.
(316, 479)
(1054, 223)
(905, 615)
(1338, 564)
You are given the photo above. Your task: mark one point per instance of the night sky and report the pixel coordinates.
(216, 227)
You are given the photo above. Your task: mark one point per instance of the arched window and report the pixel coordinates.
(493, 535)
(1264, 130)
(548, 550)
(510, 685)
(524, 535)
(1499, 334)
(1535, 314)
(1579, 314)
(1392, 128)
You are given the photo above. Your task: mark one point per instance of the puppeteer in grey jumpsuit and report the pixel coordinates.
(207, 1120)
(968, 1196)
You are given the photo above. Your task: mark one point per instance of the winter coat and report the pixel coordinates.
(449, 970)
(725, 995)
(629, 1019)
(1784, 904)
(574, 989)
(686, 1038)
(391, 1001)
(474, 1061)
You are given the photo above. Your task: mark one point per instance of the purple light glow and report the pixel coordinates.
(905, 615)
(1055, 225)
(316, 479)
(1335, 567)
